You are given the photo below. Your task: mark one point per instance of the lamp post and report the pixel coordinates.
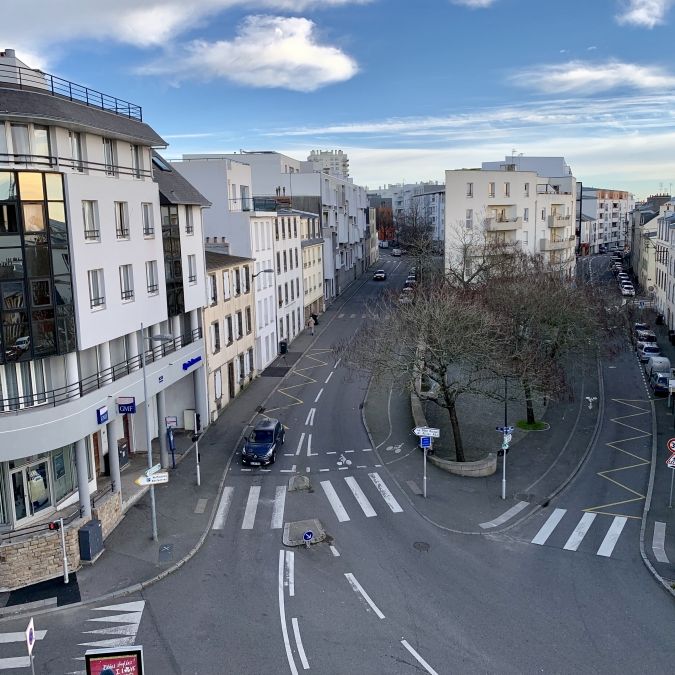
(148, 439)
(257, 274)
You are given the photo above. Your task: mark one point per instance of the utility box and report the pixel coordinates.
(189, 419)
(90, 537)
(283, 347)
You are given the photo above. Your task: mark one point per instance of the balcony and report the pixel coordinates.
(556, 243)
(559, 221)
(499, 224)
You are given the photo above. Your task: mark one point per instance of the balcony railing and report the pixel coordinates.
(98, 380)
(36, 80)
(501, 223)
(79, 165)
(556, 220)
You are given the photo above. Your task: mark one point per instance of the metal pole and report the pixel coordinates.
(32, 665)
(672, 474)
(504, 474)
(506, 424)
(506, 380)
(424, 481)
(199, 477)
(148, 439)
(63, 549)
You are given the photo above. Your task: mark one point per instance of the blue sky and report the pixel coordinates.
(407, 89)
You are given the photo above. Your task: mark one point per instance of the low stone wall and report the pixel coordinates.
(38, 557)
(109, 512)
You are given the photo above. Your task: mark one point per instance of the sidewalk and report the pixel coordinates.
(131, 559)
(539, 463)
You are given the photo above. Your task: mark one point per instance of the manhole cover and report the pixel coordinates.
(166, 553)
(422, 546)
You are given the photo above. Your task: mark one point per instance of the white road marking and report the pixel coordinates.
(384, 491)
(360, 497)
(308, 469)
(612, 536)
(658, 542)
(329, 376)
(579, 532)
(318, 396)
(353, 316)
(333, 452)
(289, 454)
(359, 589)
(310, 417)
(322, 470)
(309, 447)
(278, 508)
(335, 552)
(223, 507)
(413, 487)
(367, 450)
(341, 316)
(337, 363)
(201, 505)
(548, 527)
(15, 661)
(291, 470)
(361, 466)
(421, 661)
(243, 469)
(135, 606)
(290, 573)
(363, 316)
(6, 638)
(282, 616)
(251, 507)
(298, 642)
(299, 448)
(507, 515)
(348, 451)
(334, 500)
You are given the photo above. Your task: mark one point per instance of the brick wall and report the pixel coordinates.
(109, 512)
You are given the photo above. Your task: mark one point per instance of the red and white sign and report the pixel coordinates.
(670, 462)
(671, 445)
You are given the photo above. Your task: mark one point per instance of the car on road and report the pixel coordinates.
(659, 382)
(640, 325)
(627, 290)
(646, 350)
(646, 336)
(263, 442)
(380, 275)
(396, 252)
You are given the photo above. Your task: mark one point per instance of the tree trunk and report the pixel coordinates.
(456, 431)
(529, 406)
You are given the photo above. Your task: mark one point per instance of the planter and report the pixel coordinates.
(478, 469)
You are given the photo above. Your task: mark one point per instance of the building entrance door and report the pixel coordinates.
(230, 379)
(30, 490)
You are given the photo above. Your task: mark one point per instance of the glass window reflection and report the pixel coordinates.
(40, 293)
(63, 290)
(57, 223)
(11, 263)
(33, 218)
(54, 183)
(30, 186)
(60, 260)
(37, 256)
(7, 186)
(9, 223)
(13, 296)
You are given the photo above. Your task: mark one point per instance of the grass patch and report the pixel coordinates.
(537, 426)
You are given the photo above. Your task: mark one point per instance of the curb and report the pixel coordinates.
(140, 586)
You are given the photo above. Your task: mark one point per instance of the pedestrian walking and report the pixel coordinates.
(311, 324)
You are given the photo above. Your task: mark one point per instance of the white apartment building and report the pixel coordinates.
(91, 250)
(528, 205)
(341, 205)
(289, 275)
(663, 287)
(608, 215)
(238, 224)
(430, 204)
(312, 264)
(333, 162)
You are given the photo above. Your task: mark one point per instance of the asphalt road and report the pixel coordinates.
(388, 592)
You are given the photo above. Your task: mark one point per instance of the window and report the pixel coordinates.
(240, 326)
(281, 326)
(213, 289)
(96, 289)
(215, 337)
(469, 189)
(283, 228)
(228, 327)
(278, 262)
(136, 160)
(526, 214)
(122, 220)
(543, 214)
(297, 287)
(296, 257)
(242, 373)
(281, 297)
(276, 229)
(292, 291)
(41, 151)
(151, 277)
(189, 221)
(286, 292)
(237, 281)
(247, 280)
(527, 189)
(20, 145)
(127, 282)
(525, 233)
(285, 262)
(226, 285)
(250, 361)
(507, 189)
(469, 219)
(90, 220)
(295, 232)
(109, 157)
(491, 189)
(192, 269)
(76, 150)
(148, 220)
(249, 323)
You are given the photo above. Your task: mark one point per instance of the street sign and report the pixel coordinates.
(505, 445)
(671, 445)
(171, 421)
(427, 431)
(425, 442)
(641, 304)
(308, 536)
(126, 404)
(504, 430)
(153, 469)
(30, 636)
(153, 479)
(507, 438)
(670, 462)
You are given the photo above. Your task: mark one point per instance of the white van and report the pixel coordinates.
(658, 364)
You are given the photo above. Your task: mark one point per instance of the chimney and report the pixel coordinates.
(9, 53)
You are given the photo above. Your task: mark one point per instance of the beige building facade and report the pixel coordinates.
(312, 264)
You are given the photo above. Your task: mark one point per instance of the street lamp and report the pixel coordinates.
(257, 274)
(148, 439)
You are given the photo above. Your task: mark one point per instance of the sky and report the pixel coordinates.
(406, 89)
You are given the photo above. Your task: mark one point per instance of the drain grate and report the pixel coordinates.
(422, 546)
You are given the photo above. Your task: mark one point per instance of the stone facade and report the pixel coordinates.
(109, 512)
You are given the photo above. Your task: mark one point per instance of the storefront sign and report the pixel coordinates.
(102, 414)
(191, 362)
(126, 404)
(127, 661)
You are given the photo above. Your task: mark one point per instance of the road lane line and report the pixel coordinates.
(550, 525)
(337, 363)
(384, 491)
(356, 586)
(353, 316)
(6, 638)
(289, 454)
(299, 448)
(507, 515)
(335, 552)
(282, 616)
(579, 532)
(298, 642)
(658, 542)
(329, 376)
(612, 536)
(309, 447)
(278, 508)
(334, 501)
(309, 422)
(341, 316)
(291, 470)
(420, 660)
(318, 396)
(251, 507)
(367, 450)
(348, 451)
(290, 572)
(223, 507)
(332, 452)
(322, 470)
(12, 662)
(360, 497)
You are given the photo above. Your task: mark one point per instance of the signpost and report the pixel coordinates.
(308, 536)
(156, 478)
(427, 431)
(506, 439)
(670, 463)
(30, 641)
(426, 434)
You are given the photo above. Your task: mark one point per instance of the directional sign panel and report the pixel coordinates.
(425, 442)
(153, 479)
(504, 430)
(308, 536)
(30, 636)
(427, 431)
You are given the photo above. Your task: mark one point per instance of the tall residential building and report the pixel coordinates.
(289, 274)
(333, 162)
(312, 264)
(662, 287)
(527, 204)
(430, 204)
(91, 249)
(607, 214)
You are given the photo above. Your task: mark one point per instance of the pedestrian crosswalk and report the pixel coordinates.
(263, 506)
(14, 650)
(562, 531)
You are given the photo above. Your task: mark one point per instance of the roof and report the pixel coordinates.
(217, 261)
(47, 109)
(173, 187)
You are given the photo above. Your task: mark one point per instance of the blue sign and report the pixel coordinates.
(504, 430)
(425, 441)
(191, 362)
(308, 536)
(102, 414)
(126, 404)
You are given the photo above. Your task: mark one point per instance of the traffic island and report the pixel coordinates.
(298, 483)
(303, 533)
(476, 469)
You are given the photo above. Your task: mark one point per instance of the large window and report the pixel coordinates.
(127, 282)
(122, 220)
(192, 269)
(151, 277)
(110, 156)
(96, 289)
(20, 145)
(136, 160)
(92, 231)
(76, 149)
(148, 220)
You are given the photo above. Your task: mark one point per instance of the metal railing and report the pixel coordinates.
(61, 395)
(36, 80)
(29, 530)
(79, 165)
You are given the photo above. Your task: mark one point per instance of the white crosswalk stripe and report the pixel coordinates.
(580, 531)
(13, 663)
(549, 526)
(361, 498)
(278, 511)
(251, 507)
(612, 536)
(384, 491)
(334, 501)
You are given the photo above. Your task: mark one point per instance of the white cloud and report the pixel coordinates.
(268, 51)
(592, 78)
(474, 4)
(592, 48)
(644, 13)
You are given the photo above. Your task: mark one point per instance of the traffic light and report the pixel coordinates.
(198, 422)
(54, 525)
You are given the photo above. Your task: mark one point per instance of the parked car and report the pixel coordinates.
(645, 336)
(627, 290)
(659, 364)
(640, 325)
(380, 275)
(659, 382)
(396, 252)
(262, 444)
(646, 350)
